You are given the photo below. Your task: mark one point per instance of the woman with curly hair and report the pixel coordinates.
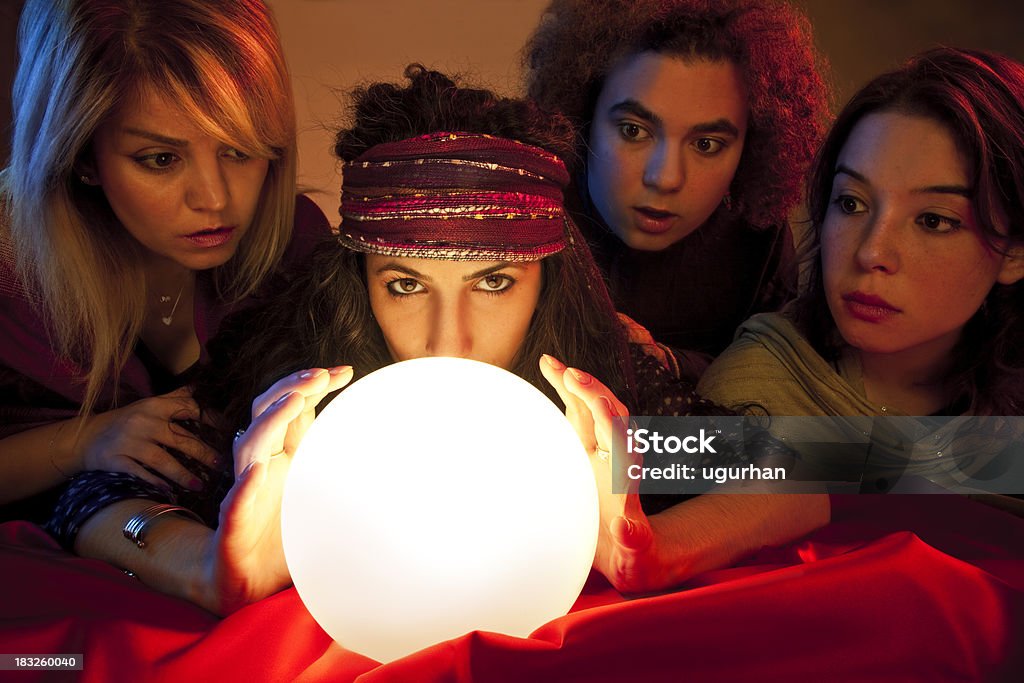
(915, 300)
(696, 122)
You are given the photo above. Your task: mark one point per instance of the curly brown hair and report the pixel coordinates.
(579, 42)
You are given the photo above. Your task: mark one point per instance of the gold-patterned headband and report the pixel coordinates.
(455, 196)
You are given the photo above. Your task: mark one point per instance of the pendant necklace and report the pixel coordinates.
(165, 298)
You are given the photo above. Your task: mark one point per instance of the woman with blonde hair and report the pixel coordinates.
(150, 190)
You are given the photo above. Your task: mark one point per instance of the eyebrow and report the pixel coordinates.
(156, 137)
(631, 106)
(959, 190)
(397, 267)
(493, 269)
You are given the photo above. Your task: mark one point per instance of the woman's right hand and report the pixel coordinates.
(246, 559)
(135, 437)
(313, 386)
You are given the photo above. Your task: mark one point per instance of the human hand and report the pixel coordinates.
(312, 385)
(627, 549)
(246, 559)
(137, 436)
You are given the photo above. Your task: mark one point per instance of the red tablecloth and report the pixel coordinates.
(896, 588)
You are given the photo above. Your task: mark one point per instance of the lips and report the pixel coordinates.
(654, 221)
(869, 307)
(211, 237)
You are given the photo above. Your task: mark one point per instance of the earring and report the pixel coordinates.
(86, 180)
(727, 201)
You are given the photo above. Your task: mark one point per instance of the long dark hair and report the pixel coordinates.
(322, 316)
(979, 97)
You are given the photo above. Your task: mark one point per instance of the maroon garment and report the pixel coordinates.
(694, 294)
(37, 387)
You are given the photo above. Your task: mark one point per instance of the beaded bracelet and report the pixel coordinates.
(135, 528)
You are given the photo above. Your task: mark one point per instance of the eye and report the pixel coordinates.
(708, 146)
(405, 286)
(159, 161)
(236, 154)
(934, 222)
(494, 284)
(632, 132)
(849, 205)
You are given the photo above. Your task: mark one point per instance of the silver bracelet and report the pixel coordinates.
(135, 528)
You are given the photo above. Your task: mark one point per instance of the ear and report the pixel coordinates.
(1012, 268)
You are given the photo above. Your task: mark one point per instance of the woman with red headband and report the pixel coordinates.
(454, 241)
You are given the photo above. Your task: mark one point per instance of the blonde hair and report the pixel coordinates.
(222, 63)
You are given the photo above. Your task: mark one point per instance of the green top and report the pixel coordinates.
(771, 368)
(772, 365)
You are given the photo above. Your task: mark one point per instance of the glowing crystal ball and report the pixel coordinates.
(435, 497)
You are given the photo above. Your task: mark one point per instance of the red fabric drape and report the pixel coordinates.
(896, 588)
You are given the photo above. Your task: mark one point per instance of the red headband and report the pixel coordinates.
(455, 196)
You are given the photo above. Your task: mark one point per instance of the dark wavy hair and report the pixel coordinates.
(979, 97)
(579, 42)
(322, 317)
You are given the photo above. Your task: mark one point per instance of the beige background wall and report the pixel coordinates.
(334, 44)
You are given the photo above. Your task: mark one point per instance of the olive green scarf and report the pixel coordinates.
(771, 368)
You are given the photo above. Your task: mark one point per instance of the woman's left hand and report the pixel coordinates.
(627, 549)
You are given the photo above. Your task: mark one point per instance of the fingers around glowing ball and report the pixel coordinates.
(435, 497)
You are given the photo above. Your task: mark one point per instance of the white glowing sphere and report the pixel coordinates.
(436, 497)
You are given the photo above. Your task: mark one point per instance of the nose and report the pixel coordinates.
(450, 332)
(879, 245)
(664, 170)
(207, 186)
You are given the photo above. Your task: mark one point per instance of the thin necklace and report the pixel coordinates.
(164, 298)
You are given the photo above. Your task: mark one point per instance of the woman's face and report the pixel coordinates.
(665, 142)
(479, 310)
(904, 263)
(186, 197)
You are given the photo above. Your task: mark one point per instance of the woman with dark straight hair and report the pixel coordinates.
(914, 298)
